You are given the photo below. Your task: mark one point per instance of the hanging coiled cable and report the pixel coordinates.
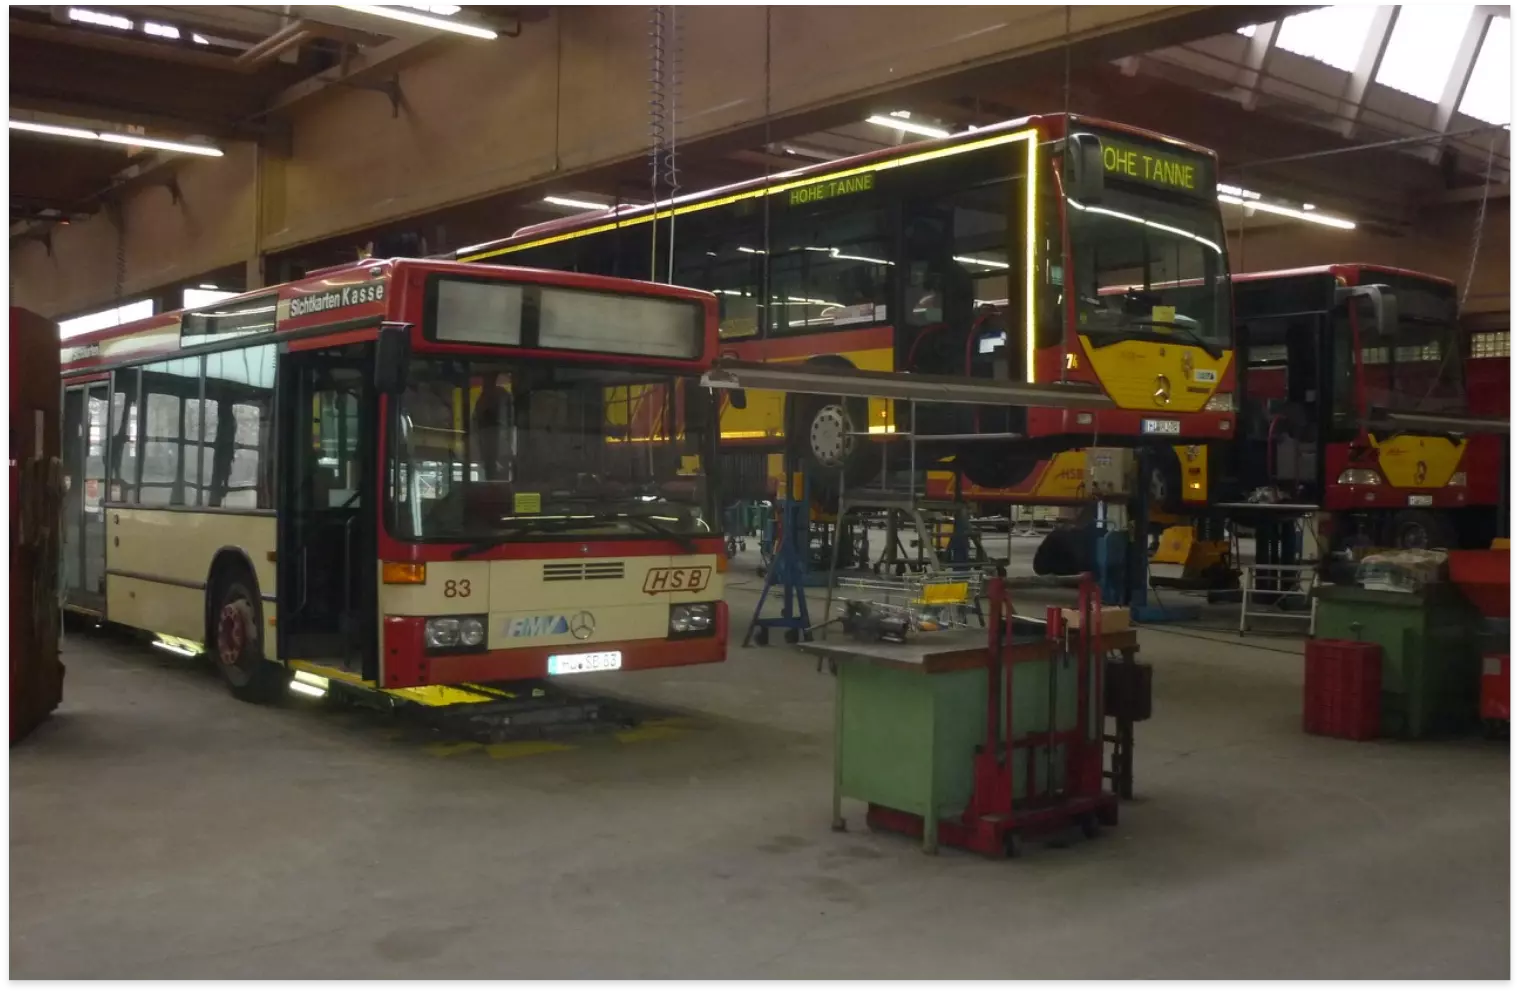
(674, 50)
(658, 128)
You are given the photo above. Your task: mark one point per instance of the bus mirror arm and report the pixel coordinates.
(1385, 306)
(393, 353)
(1084, 160)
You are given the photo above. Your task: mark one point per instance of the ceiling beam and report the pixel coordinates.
(1368, 63)
(1456, 82)
(1253, 71)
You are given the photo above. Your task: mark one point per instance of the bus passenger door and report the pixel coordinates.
(82, 571)
(327, 524)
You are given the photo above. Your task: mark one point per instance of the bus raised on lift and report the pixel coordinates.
(1353, 399)
(1046, 250)
(403, 474)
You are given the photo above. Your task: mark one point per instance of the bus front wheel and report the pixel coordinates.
(236, 640)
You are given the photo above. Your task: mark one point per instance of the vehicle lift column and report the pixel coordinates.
(1141, 611)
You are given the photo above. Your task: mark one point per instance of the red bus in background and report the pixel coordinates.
(1488, 373)
(403, 474)
(1327, 353)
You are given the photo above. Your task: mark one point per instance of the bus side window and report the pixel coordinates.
(717, 251)
(828, 270)
(237, 425)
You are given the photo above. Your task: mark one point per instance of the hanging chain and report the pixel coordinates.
(657, 128)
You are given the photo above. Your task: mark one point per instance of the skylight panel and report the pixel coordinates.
(1487, 96)
(1424, 45)
(1332, 35)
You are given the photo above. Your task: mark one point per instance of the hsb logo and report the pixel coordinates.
(687, 579)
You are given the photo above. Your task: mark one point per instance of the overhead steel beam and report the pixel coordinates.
(791, 377)
(1248, 80)
(1367, 65)
(368, 68)
(1456, 82)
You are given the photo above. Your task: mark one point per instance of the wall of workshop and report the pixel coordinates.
(569, 95)
(1441, 244)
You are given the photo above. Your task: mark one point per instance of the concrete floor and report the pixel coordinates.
(161, 829)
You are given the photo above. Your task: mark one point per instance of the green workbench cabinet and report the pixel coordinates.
(1429, 642)
(906, 736)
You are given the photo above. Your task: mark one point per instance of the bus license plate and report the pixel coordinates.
(1160, 426)
(1421, 500)
(584, 662)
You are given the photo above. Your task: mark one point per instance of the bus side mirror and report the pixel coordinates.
(1084, 168)
(393, 354)
(1385, 306)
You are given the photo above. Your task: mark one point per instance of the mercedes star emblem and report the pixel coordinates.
(582, 625)
(1163, 392)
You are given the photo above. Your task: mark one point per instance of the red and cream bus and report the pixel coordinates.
(990, 253)
(403, 474)
(1353, 399)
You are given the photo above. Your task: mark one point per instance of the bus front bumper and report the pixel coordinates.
(406, 664)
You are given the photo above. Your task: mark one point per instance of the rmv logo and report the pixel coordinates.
(535, 625)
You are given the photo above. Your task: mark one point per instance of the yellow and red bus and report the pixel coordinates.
(1353, 399)
(402, 474)
(991, 253)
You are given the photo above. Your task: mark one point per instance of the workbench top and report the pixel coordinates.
(945, 652)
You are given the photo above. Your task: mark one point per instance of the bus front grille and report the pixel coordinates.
(582, 571)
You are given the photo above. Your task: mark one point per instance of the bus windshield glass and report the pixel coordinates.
(1149, 267)
(1419, 366)
(486, 450)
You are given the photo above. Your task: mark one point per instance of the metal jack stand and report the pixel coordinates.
(1140, 610)
(788, 568)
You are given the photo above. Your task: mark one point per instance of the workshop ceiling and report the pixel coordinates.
(197, 74)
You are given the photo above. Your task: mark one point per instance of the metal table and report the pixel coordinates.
(909, 717)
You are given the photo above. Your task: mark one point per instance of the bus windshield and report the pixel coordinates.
(1151, 268)
(526, 449)
(1419, 366)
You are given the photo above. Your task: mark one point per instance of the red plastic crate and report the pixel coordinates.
(1343, 688)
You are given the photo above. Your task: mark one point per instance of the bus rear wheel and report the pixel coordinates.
(1422, 530)
(236, 641)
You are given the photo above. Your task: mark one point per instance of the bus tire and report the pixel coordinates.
(235, 639)
(994, 466)
(820, 434)
(1422, 530)
(1164, 488)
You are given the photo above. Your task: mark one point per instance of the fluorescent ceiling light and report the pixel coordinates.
(113, 138)
(907, 127)
(419, 19)
(585, 205)
(971, 260)
(99, 18)
(169, 146)
(1283, 211)
(52, 129)
(161, 30)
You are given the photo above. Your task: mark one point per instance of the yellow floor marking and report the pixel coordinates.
(444, 749)
(514, 750)
(649, 732)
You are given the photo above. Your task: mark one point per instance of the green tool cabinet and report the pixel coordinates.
(1430, 652)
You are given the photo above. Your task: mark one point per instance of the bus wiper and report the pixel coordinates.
(661, 528)
(512, 531)
(1211, 348)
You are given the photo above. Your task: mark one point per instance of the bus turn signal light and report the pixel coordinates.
(403, 573)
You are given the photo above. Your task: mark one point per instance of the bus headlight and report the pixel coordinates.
(1222, 402)
(1360, 477)
(692, 619)
(1458, 479)
(464, 633)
